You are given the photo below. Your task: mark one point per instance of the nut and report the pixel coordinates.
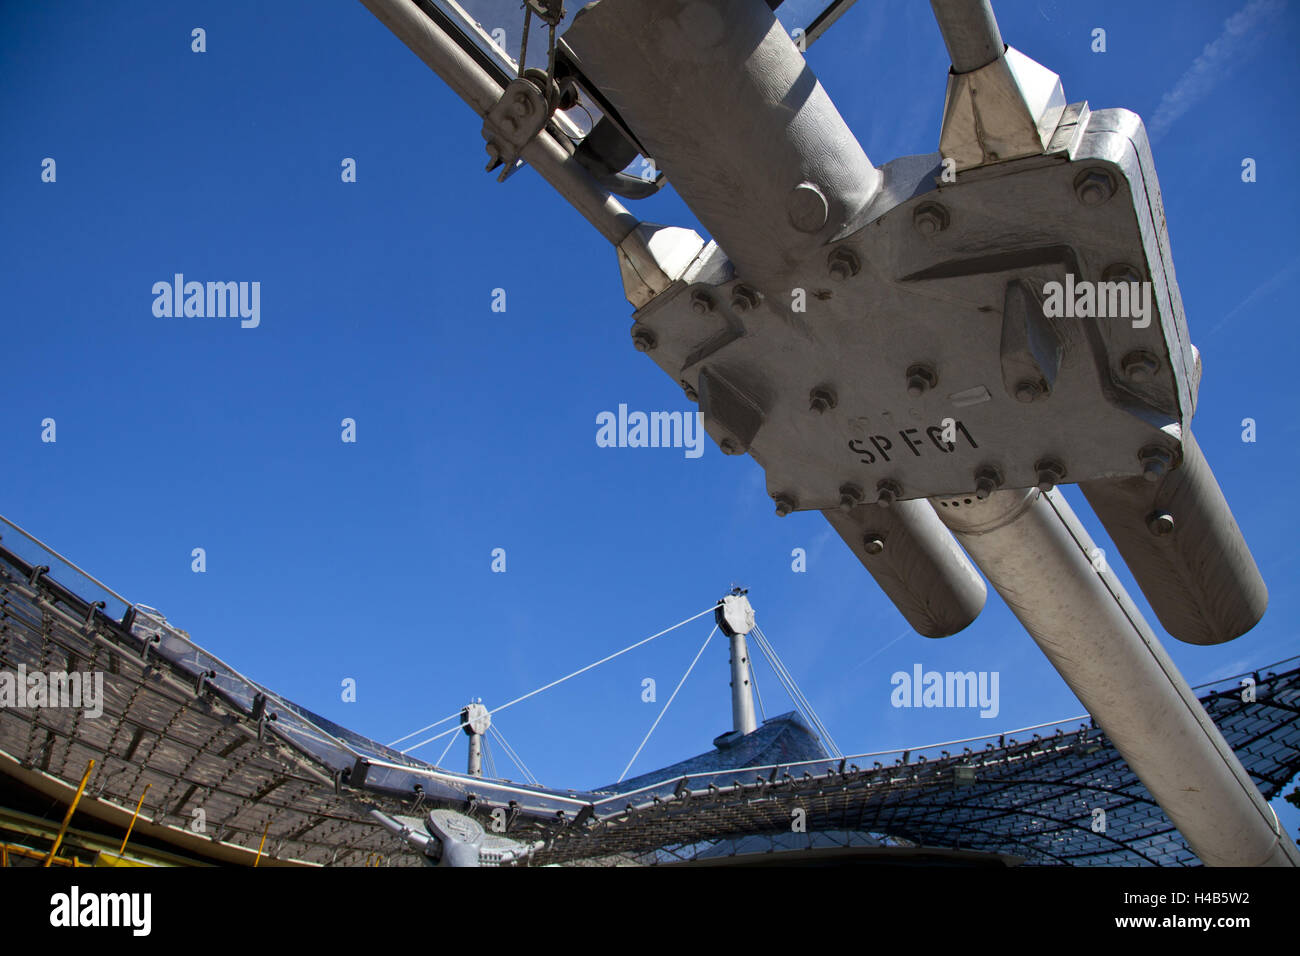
(701, 302)
(643, 339)
(744, 298)
(1139, 366)
(873, 542)
(987, 480)
(850, 497)
(1094, 186)
(842, 263)
(887, 492)
(821, 399)
(784, 505)
(1156, 462)
(1050, 473)
(920, 379)
(930, 219)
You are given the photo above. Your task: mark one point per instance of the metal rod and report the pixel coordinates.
(134, 816)
(1038, 556)
(72, 807)
(970, 31)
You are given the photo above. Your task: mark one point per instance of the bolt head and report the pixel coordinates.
(1094, 186)
(1050, 472)
(643, 340)
(701, 303)
(842, 263)
(1139, 366)
(850, 497)
(821, 400)
(873, 543)
(987, 481)
(728, 447)
(920, 379)
(930, 218)
(887, 492)
(784, 505)
(743, 299)
(690, 392)
(1156, 462)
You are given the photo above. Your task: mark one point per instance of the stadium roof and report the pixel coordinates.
(205, 737)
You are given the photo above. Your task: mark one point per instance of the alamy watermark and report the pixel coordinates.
(923, 688)
(654, 430)
(1098, 300)
(213, 300)
(53, 689)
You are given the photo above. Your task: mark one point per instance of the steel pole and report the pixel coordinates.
(742, 694)
(475, 768)
(970, 32)
(1036, 554)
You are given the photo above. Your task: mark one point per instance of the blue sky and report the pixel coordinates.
(476, 429)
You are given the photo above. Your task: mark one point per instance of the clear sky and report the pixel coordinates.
(476, 429)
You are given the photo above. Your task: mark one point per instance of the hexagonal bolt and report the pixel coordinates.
(1160, 523)
(930, 219)
(744, 298)
(1139, 366)
(987, 480)
(920, 379)
(784, 505)
(887, 492)
(873, 542)
(822, 399)
(1028, 392)
(693, 395)
(701, 302)
(850, 496)
(843, 263)
(1050, 473)
(1094, 186)
(1156, 462)
(729, 447)
(643, 339)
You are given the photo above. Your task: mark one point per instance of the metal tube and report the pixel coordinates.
(916, 562)
(1036, 554)
(471, 83)
(742, 698)
(970, 31)
(72, 808)
(724, 102)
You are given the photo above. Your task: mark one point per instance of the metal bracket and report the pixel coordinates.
(511, 124)
(90, 613)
